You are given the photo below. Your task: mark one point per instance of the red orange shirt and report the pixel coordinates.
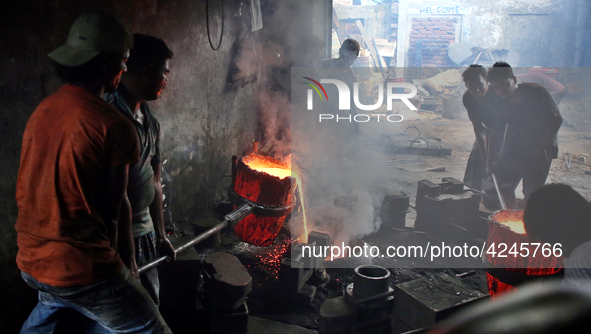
(69, 144)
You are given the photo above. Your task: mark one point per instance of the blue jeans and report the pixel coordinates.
(119, 304)
(145, 252)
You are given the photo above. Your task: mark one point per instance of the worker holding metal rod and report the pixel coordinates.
(529, 143)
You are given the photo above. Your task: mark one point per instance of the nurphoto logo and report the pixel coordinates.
(344, 98)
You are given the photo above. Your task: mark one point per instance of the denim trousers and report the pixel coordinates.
(119, 304)
(146, 252)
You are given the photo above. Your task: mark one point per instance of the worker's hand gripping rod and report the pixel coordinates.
(232, 217)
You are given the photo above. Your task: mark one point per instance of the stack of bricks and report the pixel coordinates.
(436, 34)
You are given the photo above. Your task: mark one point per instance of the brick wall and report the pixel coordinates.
(436, 34)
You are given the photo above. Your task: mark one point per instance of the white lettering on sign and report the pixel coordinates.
(441, 10)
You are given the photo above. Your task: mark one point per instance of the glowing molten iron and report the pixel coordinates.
(267, 181)
(268, 165)
(513, 220)
(506, 227)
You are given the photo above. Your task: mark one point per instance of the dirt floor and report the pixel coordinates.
(574, 137)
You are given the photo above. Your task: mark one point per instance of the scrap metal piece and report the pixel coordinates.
(397, 146)
(227, 282)
(434, 169)
(293, 276)
(394, 209)
(399, 161)
(315, 240)
(418, 140)
(567, 159)
(449, 211)
(580, 163)
(413, 127)
(425, 301)
(452, 186)
(318, 238)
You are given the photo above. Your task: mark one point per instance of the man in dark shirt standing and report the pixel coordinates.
(488, 124)
(530, 138)
(146, 77)
(340, 69)
(348, 53)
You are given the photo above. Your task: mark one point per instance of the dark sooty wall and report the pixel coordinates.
(204, 119)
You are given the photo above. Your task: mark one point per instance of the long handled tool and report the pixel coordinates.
(245, 208)
(501, 200)
(232, 217)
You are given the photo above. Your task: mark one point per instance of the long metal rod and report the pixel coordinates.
(235, 216)
(503, 205)
(396, 162)
(186, 246)
(580, 163)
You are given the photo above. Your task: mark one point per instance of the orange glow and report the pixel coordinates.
(511, 219)
(506, 227)
(267, 165)
(281, 170)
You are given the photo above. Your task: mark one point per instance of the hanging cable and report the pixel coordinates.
(207, 24)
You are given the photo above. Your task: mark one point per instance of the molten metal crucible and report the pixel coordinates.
(259, 197)
(505, 227)
(267, 183)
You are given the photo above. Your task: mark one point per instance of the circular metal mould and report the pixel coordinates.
(370, 280)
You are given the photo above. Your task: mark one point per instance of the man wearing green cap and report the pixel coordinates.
(74, 231)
